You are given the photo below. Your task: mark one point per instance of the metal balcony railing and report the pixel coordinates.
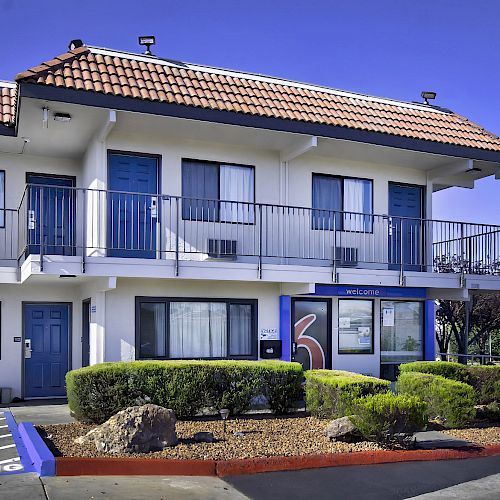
(92, 222)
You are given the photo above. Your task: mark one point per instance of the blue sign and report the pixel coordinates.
(370, 292)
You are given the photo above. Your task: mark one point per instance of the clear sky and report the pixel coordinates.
(390, 48)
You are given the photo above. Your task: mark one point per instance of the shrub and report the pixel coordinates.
(446, 369)
(331, 393)
(446, 399)
(381, 417)
(486, 382)
(97, 392)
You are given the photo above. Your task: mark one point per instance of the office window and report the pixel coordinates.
(402, 331)
(343, 204)
(355, 326)
(216, 192)
(196, 329)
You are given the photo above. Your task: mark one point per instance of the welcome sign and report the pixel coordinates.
(383, 292)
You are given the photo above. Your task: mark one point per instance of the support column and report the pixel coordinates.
(285, 327)
(97, 327)
(429, 331)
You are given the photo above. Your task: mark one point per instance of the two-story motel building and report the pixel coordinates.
(155, 209)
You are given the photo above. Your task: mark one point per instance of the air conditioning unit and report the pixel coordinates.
(346, 256)
(222, 249)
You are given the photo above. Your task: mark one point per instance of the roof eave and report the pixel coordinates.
(95, 99)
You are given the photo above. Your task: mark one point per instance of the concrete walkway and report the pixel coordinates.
(42, 412)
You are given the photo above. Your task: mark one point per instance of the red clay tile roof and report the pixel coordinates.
(7, 103)
(152, 79)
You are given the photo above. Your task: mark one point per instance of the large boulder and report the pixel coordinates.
(138, 429)
(342, 429)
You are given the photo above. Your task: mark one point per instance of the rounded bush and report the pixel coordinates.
(446, 369)
(486, 382)
(449, 400)
(95, 393)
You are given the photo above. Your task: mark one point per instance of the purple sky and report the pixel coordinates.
(390, 48)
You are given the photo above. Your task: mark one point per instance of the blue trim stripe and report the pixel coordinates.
(367, 292)
(285, 327)
(429, 331)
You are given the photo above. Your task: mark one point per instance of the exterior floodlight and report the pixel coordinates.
(75, 44)
(426, 95)
(62, 117)
(147, 41)
(224, 413)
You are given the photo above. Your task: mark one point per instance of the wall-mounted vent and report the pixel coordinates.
(346, 256)
(222, 249)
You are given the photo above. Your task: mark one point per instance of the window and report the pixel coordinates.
(217, 192)
(343, 204)
(2, 198)
(402, 331)
(355, 326)
(193, 329)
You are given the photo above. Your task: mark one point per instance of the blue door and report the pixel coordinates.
(51, 215)
(405, 222)
(132, 206)
(46, 349)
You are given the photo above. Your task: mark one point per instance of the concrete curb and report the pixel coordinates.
(21, 448)
(41, 457)
(74, 466)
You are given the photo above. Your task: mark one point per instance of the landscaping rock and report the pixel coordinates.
(138, 429)
(204, 437)
(341, 428)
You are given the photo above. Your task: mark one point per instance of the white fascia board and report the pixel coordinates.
(300, 147)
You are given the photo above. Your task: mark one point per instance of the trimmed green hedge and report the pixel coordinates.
(446, 369)
(446, 399)
(332, 393)
(486, 382)
(95, 393)
(381, 416)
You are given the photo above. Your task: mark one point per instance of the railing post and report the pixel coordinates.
(259, 267)
(462, 256)
(177, 216)
(402, 281)
(84, 225)
(334, 271)
(41, 228)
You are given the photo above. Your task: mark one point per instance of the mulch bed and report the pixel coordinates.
(262, 437)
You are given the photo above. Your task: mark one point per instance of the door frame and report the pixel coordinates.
(423, 210)
(159, 167)
(86, 303)
(71, 178)
(328, 300)
(25, 303)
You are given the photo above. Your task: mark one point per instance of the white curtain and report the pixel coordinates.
(357, 201)
(240, 318)
(198, 330)
(236, 185)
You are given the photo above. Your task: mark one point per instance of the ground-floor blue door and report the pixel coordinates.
(406, 229)
(46, 349)
(132, 206)
(51, 215)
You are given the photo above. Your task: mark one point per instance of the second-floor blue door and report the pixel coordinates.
(51, 215)
(406, 229)
(132, 206)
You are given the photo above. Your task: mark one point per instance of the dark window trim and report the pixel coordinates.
(329, 315)
(423, 327)
(362, 353)
(167, 300)
(219, 201)
(342, 178)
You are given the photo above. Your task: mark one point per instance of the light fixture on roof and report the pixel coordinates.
(474, 169)
(62, 117)
(426, 95)
(75, 44)
(147, 41)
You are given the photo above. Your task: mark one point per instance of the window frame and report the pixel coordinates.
(167, 300)
(361, 353)
(342, 178)
(218, 201)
